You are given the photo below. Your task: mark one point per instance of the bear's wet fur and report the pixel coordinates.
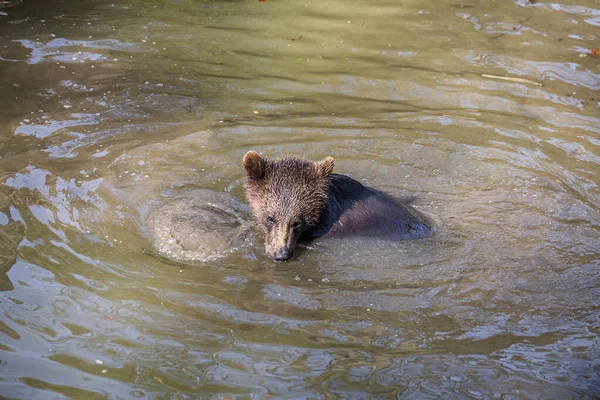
(293, 199)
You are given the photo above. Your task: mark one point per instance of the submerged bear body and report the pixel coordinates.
(353, 209)
(293, 199)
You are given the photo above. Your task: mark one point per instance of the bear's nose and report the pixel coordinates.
(282, 255)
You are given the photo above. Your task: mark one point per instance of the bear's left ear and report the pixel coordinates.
(325, 167)
(254, 165)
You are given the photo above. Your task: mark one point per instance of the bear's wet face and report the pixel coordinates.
(287, 198)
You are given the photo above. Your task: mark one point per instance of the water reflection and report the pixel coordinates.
(485, 115)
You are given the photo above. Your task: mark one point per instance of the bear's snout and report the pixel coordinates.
(280, 241)
(282, 254)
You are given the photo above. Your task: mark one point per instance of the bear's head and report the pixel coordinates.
(287, 198)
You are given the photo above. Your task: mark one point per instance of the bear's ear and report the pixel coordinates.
(254, 165)
(325, 167)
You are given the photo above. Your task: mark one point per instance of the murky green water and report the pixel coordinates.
(110, 110)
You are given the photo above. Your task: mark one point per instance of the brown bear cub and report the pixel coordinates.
(293, 199)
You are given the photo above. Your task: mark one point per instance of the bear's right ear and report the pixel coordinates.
(254, 165)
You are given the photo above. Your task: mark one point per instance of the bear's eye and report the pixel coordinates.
(270, 220)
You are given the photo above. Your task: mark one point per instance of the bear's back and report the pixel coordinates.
(356, 210)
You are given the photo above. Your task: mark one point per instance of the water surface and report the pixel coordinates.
(110, 110)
